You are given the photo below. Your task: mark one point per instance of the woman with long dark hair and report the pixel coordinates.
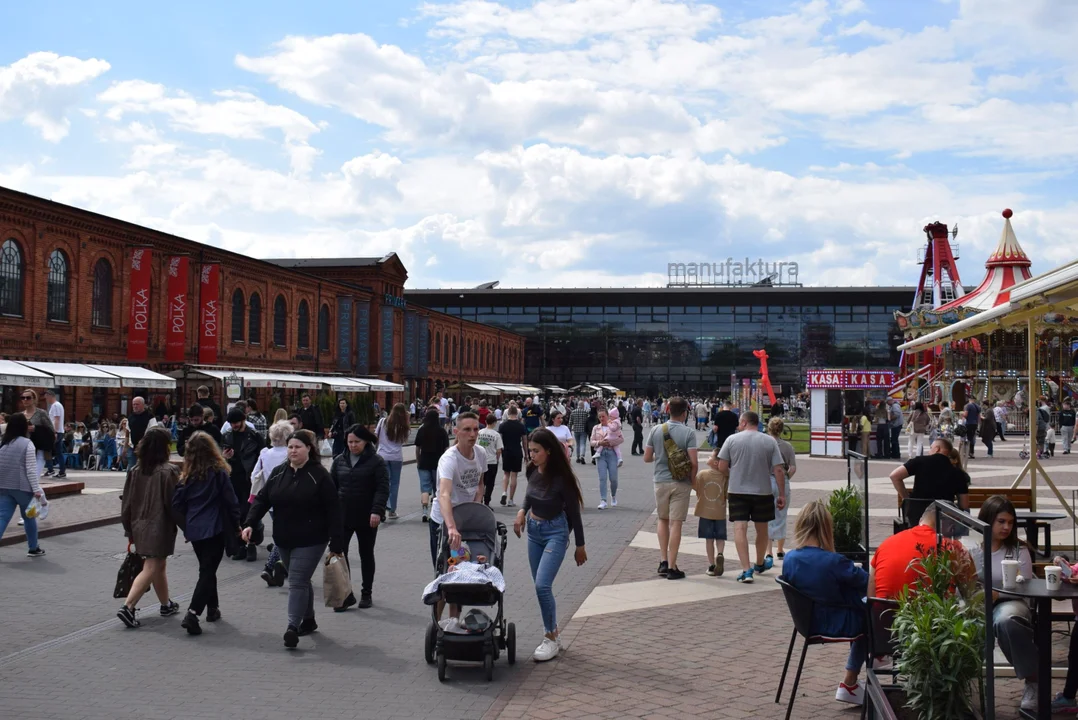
(551, 507)
(19, 475)
(392, 433)
(149, 521)
(306, 515)
(343, 419)
(514, 438)
(209, 510)
(362, 479)
(431, 441)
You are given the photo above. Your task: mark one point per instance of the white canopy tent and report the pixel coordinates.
(75, 374)
(1055, 291)
(271, 379)
(377, 385)
(138, 377)
(483, 388)
(555, 389)
(13, 373)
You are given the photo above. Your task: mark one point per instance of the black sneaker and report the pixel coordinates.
(307, 626)
(269, 578)
(47, 473)
(365, 600)
(711, 570)
(127, 617)
(502, 501)
(664, 568)
(291, 637)
(241, 554)
(191, 625)
(675, 574)
(172, 608)
(252, 553)
(61, 475)
(348, 602)
(36, 552)
(213, 614)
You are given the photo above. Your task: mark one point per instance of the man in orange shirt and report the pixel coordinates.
(892, 567)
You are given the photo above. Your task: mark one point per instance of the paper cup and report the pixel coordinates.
(1053, 577)
(1010, 574)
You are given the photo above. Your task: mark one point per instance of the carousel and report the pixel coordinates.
(992, 367)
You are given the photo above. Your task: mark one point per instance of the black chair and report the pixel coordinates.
(880, 613)
(801, 611)
(910, 513)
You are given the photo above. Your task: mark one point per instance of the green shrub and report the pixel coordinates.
(847, 510)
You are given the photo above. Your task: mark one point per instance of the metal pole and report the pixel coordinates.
(1031, 360)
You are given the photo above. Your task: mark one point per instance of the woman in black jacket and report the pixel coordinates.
(362, 480)
(343, 419)
(306, 515)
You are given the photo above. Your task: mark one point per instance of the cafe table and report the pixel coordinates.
(1036, 591)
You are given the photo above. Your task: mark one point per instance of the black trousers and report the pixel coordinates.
(999, 430)
(971, 438)
(365, 535)
(209, 553)
(638, 441)
(490, 477)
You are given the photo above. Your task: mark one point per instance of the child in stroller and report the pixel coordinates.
(478, 637)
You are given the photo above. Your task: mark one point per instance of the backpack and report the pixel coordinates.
(676, 458)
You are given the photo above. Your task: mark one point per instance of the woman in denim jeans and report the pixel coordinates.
(392, 432)
(551, 507)
(430, 442)
(603, 441)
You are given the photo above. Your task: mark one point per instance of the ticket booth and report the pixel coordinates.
(836, 396)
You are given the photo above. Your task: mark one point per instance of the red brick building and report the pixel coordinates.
(68, 278)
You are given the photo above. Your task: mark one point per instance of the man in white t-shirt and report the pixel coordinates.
(443, 409)
(56, 415)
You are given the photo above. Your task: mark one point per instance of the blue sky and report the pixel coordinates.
(557, 143)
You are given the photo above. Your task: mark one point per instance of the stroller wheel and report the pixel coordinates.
(441, 667)
(488, 665)
(511, 643)
(429, 642)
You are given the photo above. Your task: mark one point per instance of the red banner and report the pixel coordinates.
(210, 325)
(138, 328)
(176, 338)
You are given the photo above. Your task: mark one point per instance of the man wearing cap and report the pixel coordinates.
(56, 416)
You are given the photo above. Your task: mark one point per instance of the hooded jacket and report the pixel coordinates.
(362, 487)
(306, 509)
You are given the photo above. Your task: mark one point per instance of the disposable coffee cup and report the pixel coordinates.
(1010, 574)
(1053, 577)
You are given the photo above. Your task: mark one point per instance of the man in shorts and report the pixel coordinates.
(672, 496)
(751, 458)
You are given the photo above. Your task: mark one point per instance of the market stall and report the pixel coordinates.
(836, 396)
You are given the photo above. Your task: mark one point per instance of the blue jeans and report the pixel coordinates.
(1013, 625)
(394, 482)
(130, 457)
(9, 500)
(608, 469)
(426, 481)
(580, 443)
(776, 529)
(547, 543)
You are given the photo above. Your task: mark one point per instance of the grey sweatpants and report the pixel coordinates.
(301, 563)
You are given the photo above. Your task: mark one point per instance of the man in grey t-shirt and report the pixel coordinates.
(751, 458)
(671, 496)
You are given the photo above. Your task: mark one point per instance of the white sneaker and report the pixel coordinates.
(510, 503)
(853, 696)
(547, 650)
(21, 521)
(602, 504)
(613, 501)
(596, 456)
(883, 664)
(620, 463)
(1029, 697)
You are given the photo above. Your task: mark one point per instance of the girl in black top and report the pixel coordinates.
(514, 437)
(431, 442)
(551, 507)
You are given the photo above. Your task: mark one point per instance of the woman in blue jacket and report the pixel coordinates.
(836, 585)
(206, 502)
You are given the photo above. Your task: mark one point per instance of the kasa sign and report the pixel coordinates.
(850, 379)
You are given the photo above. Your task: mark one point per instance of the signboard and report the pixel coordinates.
(394, 300)
(344, 333)
(138, 328)
(424, 347)
(233, 387)
(386, 336)
(850, 379)
(411, 343)
(733, 272)
(176, 337)
(209, 325)
(363, 338)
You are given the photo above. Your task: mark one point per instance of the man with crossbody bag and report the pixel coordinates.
(672, 447)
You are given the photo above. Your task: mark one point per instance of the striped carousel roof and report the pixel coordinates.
(1007, 266)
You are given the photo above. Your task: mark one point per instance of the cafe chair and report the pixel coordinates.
(801, 608)
(880, 614)
(909, 513)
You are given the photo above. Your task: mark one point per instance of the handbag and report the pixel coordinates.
(129, 570)
(336, 581)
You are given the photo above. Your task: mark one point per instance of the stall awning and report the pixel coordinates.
(12, 373)
(138, 377)
(514, 389)
(271, 379)
(343, 384)
(586, 386)
(75, 374)
(555, 388)
(531, 389)
(609, 388)
(483, 388)
(377, 385)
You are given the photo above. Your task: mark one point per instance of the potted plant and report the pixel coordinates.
(939, 630)
(847, 510)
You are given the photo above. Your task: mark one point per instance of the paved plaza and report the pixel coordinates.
(637, 645)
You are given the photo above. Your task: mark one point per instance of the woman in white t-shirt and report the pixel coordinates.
(1011, 617)
(561, 431)
(392, 432)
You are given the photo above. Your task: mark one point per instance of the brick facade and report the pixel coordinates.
(39, 227)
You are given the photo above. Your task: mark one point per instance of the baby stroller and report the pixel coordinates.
(484, 535)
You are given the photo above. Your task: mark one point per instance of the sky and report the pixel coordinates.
(550, 143)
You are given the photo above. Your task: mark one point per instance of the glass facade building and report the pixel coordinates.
(663, 340)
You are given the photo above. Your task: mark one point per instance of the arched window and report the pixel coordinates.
(280, 322)
(239, 316)
(437, 347)
(303, 325)
(445, 349)
(101, 304)
(56, 294)
(323, 329)
(254, 320)
(454, 352)
(10, 278)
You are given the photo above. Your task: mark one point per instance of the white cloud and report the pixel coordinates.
(42, 87)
